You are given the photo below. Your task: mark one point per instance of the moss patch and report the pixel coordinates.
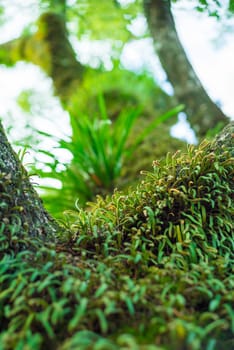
(146, 270)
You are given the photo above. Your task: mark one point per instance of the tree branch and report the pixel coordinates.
(50, 49)
(202, 113)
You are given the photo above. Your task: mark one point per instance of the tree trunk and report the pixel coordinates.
(21, 210)
(50, 49)
(202, 113)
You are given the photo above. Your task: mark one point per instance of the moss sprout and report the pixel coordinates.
(150, 269)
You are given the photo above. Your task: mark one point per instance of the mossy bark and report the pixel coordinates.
(50, 49)
(152, 268)
(20, 206)
(21, 209)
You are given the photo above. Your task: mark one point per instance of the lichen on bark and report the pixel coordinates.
(21, 210)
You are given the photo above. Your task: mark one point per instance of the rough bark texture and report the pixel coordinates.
(20, 207)
(203, 114)
(224, 140)
(50, 49)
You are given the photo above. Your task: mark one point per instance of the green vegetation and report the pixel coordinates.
(146, 267)
(100, 148)
(150, 269)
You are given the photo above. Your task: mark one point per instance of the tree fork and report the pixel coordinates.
(202, 112)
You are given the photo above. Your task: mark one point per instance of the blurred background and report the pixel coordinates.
(77, 73)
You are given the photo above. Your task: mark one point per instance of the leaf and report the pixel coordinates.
(100, 290)
(79, 313)
(102, 320)
(130, 305)
(214, 304)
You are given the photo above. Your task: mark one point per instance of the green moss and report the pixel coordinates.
(183, 206)
(146, 270)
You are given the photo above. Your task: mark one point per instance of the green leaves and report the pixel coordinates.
(98, 25)
(148, 269)
(99, 147)
(231, 6)
(79, 313)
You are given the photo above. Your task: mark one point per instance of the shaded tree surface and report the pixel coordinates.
(21, 210)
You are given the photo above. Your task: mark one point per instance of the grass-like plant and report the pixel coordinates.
(99, 149)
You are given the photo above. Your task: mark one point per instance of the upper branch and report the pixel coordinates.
(203, 114)
(50, 49)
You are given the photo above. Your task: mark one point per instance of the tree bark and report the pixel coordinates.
(224, 141)
(50, 49)
(21, 209)
(202, 112)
